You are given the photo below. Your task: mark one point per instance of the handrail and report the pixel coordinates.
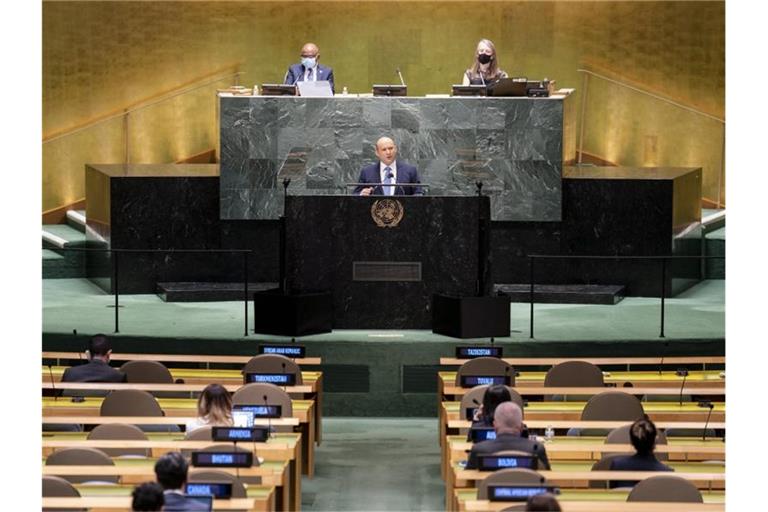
(652, 95)
(142, 104)
(115, 257)
(533, 257)
(587, 73)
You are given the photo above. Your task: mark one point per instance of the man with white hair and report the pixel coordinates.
(508, 424)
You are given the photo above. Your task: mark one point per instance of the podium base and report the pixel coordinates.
(470, 317)
(292, 315)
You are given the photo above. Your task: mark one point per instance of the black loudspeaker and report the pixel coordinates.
(292, 315)
(470, 317)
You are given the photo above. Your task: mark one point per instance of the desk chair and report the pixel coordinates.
(134, 402)
(666, 488)
(604, 464)
(218, 477)
(57, 487)
(486, 366)
(508, 477)
(150, 372)
(121, 432)
(609, 406)
(82, 457)
(255, 393)
(273, 363)
(250, 480)
(573, 374)
(620, 435)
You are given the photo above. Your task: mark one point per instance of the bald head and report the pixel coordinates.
(310, 50)
(508, 418)
(386, 150)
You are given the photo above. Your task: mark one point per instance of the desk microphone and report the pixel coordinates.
(682, 372)
(53, 385)
(269, 418)
(710, 405)
(285, 382)
(402, 82)
(663, 354)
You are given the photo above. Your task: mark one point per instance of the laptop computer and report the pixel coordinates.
(508, 87)
(317, 89)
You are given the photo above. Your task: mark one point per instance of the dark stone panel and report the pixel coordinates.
(320, 255)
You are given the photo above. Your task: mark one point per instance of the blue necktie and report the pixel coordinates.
(388, 180)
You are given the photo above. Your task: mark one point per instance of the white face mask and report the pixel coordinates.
(309, 62)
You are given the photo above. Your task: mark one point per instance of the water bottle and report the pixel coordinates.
(549, 433)
(344, 91)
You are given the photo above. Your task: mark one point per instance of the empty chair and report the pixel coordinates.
(120, 432)
(486, 367)
(200, 434)
(609, 406)
(130, 402)
(250, 480)
(134, 402)
(150, 372)
(263, 394)
(508, 477)
(218, 477)
(57, 487)
(573, 374)
(273, 363)
(666, 488)
(474, 397)
(620, 435)
(82, 457)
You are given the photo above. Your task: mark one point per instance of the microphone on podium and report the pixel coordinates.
(402, 82)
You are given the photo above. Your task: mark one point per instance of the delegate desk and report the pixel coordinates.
(136, 471)
(577, 474)
(263, 501)
(177, 412)
(627, 362)
(312, 389)
(593, 448)
(448, 390)
(612, 501)
(206, 359)
(281, 446)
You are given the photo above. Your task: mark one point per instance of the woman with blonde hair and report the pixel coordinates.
(485, 68)
(214, 407)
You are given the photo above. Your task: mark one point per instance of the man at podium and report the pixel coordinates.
(309, 70)
(387, 173)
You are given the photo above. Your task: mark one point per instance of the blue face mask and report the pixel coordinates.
(309, 62)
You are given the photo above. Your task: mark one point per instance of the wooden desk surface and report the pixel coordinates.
(552, 361)
(709, 378)
(154, 420)
(176, 358)
(639, 390)
(124, 503)
(565, 424)
(602, 506)
(172, 407)
(197, 377)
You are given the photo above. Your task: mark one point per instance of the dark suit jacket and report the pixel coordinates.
(95, 370)
(635, 463)
(504, 442)
(295, 74)
(175, 502)
(406, 173)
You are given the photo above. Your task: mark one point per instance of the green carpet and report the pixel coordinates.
(387, 464)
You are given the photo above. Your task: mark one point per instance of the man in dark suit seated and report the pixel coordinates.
(642, 434)
(508, 424)
(97, 369)
(309, 69)
(171, 472)
(388, 170)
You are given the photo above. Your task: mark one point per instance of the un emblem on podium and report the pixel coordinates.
(387, 213)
